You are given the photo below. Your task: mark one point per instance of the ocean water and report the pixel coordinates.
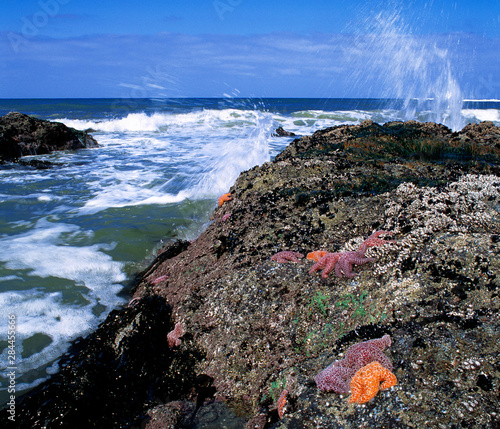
(73, 236)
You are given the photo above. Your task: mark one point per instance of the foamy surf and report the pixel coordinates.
(474, 115)
(155, 122)
(61, 293)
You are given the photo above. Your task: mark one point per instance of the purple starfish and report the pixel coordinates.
(326, 263)
(361, 354)
(347, 260)
(337, 376)
(287, 256)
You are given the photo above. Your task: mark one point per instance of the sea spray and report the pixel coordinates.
(412, 69)
(227, 158)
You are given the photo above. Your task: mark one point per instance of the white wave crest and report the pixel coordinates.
(160, 121)
(46, 302)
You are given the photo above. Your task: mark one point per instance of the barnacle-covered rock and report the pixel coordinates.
(434, 287)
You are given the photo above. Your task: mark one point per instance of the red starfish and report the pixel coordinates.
(373, 240)
(173, 337)
(282, 400)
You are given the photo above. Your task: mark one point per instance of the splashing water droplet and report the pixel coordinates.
(413, 69)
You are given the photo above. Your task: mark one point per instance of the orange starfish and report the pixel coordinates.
(224, 198)
(365, 384)
(316, 255)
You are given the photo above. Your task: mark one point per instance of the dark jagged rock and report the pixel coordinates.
(280, 132)
(265, 325)
(22, 135)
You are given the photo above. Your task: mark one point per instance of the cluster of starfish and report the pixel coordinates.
(341, 262)
(361, 371)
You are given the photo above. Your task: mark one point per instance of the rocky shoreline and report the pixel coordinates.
(255, 331)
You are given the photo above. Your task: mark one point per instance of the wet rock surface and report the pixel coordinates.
(254, 327)
(22, 135)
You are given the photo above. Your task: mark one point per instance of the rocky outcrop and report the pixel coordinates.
(264, 327)
(280, 132)
(22, 135)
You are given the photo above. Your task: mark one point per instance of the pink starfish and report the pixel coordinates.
(225, 217)
(337, 376)
(159, 279)
(373, 240)
(173, 337)
(287, 256)
(326, 263)
(347, 260)
(361, 354)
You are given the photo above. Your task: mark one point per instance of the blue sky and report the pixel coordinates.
(249, 48)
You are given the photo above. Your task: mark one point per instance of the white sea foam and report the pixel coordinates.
(127, 196)
(44, 198)
(483, 100)
(47, 266)
(482, 114)
(210, 149)
(10, 278)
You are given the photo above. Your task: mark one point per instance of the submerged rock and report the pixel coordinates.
(265, 328)
(22, 135)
